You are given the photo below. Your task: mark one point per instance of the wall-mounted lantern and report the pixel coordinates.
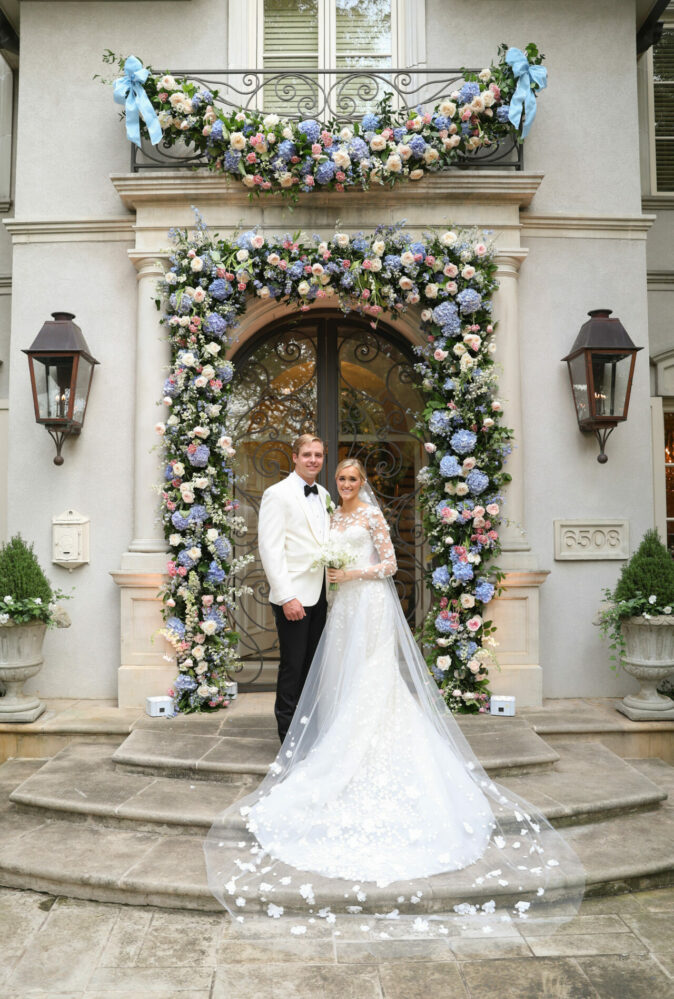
(601, 368)
(61, 369)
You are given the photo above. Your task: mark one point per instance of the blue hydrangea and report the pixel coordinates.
(215, 325)
(440, 422)
(311, 129)
(206, 96)
(441, 576)
(179, 522)
(296, 270)
(200, 457)
(223, 547)
(287, 150)
(232, 160)
(438, 674)
(462, 571)
(477, 481)
(463, 441)
(400, 134)
(465, 650)
(442, 505)
(446, 315)
(358, 149)
(443, 625)
(184, 684)
(360, 244)
(184, 558)
(325, 172)
(175, 625)
(466, 128)
(170, 388)
(198, 514)
(226, 372)
(220, 289)
(468, 92)
(449, 466)
(418, 248)
(215, 574)
(448, 385)
(347, 280)
(469, 300)
(484, 591)
(503, 113)
(392, 263)
(216, 616)
(441, 121)
(245, 239)
(370, 122)
(168, 473)
(216, 131)
(183, 306)
(418, 146)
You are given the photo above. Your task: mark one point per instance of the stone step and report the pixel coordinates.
(589, 782)
(247, 744)
(80, 860)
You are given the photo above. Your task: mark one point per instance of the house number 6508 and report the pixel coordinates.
(588, 540)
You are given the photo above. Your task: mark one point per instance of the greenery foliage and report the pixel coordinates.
(25, 592)
(645, 588)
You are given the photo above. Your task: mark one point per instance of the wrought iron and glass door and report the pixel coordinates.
(356, 388)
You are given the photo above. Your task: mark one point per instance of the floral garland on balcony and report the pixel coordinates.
(272, 154)
(451, 275)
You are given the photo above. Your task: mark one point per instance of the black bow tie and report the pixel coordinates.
(310, 489)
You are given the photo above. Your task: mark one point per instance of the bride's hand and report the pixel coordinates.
(337, 575)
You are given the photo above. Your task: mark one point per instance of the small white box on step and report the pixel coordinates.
(502, 704)
(156, 706)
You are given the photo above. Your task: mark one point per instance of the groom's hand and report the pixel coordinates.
(293, 610)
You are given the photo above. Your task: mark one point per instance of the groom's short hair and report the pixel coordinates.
(304, 440)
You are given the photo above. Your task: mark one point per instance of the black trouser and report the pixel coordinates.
(297, 645)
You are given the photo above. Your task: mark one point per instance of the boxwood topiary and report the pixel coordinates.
(21, 577)
(650, 572)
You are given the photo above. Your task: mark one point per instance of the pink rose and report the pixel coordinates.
(309, 181)
(439, 354)
(474, 623)
(430, 448)
(492, 509)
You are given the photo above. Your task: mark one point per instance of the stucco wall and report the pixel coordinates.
(590, 162)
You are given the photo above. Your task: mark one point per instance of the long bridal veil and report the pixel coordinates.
(450, 845)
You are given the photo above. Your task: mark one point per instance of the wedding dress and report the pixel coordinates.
(375, 799)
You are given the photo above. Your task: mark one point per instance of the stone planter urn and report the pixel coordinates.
(648, 656)
(20, 659)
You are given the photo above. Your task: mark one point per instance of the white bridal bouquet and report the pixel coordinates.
(333, 557)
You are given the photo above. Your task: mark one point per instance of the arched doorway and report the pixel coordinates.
(357, 389)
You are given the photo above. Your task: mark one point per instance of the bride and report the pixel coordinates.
(375, 801)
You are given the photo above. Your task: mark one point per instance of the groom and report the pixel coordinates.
(293, 524)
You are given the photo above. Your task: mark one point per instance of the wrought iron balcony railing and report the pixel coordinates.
(329, 95)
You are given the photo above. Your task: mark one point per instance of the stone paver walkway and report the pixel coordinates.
(617, 948)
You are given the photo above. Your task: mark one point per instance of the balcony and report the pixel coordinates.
(333, 96)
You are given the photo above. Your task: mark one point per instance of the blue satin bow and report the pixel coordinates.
(128, 90)
(523, 100)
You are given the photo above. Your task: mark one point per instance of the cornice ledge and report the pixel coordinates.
(660, 277)
(491, 186)
(70, 230)
(658, 202)
(594, 225)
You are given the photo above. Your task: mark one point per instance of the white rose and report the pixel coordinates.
(197, 264)
(237, 140)
(448, 238)
(194, 553)
(167, 83)
(485, 75)
(442, 642)
(198, 652)
(270, 120)
(341, 159)
(404, 151)
(208, 627)
(188, 360)
(257, 241)
(431, 155)
(201, 481)
(346, 135)
(170, 278)
(172, 421)
(448, 109)
(406, 283)
(461, 489)
(201, 432)
(263, 292)
(176, 100)
(407, 258)
(160, 428)
(416, 174)
(225, 441)
(203, 690)
(178, 469)
(342, 239)
(394, 163)
(449, 142)
(303, 288)
(184, 321)
(187, 493)
(467, 600)
(212, 348)
(212, 533)
(459, 349)
(375, 264)
(174, 540)
(200, 668)
(431, 291)
(199, 295)
(242, 255)
(287, 132)
(200, 382)
(248, 180)
(443, 662)
(286, 180)
(467, 362)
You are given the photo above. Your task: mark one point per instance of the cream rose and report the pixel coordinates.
(237, 140)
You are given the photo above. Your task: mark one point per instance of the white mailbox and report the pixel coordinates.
(70, 540)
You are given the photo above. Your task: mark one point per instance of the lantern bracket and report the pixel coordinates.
(602, 436)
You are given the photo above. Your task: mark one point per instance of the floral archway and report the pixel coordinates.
(449, 275)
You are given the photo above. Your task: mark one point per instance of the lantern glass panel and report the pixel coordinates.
(84, 369)
(610, 374)
(52, 383)
(579, 384)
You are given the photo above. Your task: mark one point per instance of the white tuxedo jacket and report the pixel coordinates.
(288, 543)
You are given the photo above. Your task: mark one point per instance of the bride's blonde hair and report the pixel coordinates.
(351, 463)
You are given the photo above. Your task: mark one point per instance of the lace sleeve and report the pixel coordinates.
(381, 538)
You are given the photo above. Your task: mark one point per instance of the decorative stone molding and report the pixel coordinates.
(587, 226)
(658, 203)
(70, 230)
(516, 616)
(147, 660)
(664, 372)
(591, 539)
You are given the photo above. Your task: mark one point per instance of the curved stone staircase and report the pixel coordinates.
(126, 824)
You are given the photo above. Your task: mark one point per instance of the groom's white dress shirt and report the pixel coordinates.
(291, 529)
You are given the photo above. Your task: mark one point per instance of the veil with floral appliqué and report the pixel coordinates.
(527, 873)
